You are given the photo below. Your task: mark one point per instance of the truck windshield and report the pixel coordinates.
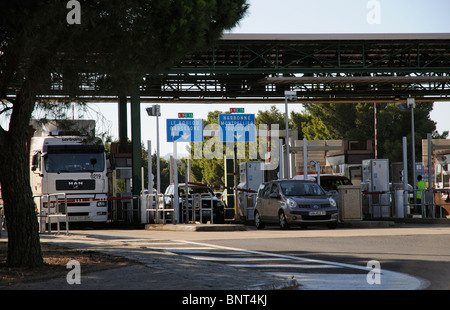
(74, 162)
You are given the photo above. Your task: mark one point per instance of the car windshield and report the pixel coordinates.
(334, 183)
(301, 189)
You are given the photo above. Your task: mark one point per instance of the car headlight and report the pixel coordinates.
(291, 203)
(332, 202)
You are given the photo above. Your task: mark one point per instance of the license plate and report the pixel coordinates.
(78, 218)
(312, 213)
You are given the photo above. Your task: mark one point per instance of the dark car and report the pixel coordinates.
(330, 183)
(206, 197)
(300, 202)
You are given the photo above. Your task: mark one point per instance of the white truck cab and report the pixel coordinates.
(75, 166)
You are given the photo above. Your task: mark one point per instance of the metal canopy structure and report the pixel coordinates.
(255, 67)
(353, 68)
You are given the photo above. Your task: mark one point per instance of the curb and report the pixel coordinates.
(196, 227)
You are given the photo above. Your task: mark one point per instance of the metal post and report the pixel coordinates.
(286, 118)
(186, 197)
(413, 151)
(176, 205)
(430, 177)
(158, 170)
(405, 179)
(281, 165)
(305, 158)
(375, 128)
(150, 172)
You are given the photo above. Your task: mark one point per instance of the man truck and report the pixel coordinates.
(73, 165)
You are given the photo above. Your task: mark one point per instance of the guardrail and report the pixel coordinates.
(432, 203)
(157, 210)
(443, 204)
(155, 205)
(51, 209)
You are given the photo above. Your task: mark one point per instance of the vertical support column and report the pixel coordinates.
(375, 128)
(123, 124)
(136, 139)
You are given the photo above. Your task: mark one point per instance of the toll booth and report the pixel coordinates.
(121, 207)
(251, 175)
(375, 187)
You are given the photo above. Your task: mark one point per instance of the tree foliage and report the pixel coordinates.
(356, 122)
(117, 40)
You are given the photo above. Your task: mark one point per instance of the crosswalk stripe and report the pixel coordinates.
(234, 259)
(302, 266)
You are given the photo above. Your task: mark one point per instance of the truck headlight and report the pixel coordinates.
(101, 203)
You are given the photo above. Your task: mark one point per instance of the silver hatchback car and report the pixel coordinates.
(300, 202)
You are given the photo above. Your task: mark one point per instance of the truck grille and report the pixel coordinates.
(63, 185)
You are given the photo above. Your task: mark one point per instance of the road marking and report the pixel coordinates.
(302, 266)
(235, 259)
(390, 280)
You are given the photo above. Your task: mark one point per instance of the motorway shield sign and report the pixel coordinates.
(237, 127)
(184, 130)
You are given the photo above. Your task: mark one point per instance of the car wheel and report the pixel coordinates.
(283, 221)
(258, 222)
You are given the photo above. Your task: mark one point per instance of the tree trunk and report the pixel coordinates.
(23, 235)
(24, 249)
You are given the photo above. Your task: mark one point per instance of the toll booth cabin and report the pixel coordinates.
(439, 194)
(343, 157)
(120, 176)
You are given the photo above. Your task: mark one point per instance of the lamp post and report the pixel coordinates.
(155, 110)
(410, 104)
(288, 96)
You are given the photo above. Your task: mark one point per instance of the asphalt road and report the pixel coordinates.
(421, 252)
(420, 255)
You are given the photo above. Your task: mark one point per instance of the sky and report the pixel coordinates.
(302, 16)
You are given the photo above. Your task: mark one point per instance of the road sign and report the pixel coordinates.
(237, 127)
(184, 130)
(185, 115)
(236, 110)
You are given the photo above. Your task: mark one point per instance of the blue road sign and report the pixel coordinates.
(237, 127)
(184, 130)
